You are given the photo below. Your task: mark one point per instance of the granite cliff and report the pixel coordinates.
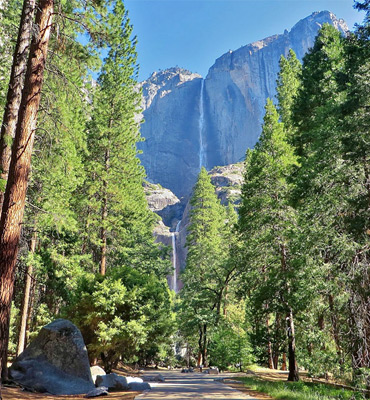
(191, 121)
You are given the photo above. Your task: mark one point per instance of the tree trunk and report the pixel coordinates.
(26, 299)
(226, 299)
(293, 367)
(14, 95)
(30, 310)
(200, 343)
(204, 347)
(269, 345)
(283, 364)
(277, 345)
(104, 215)
(15, 193)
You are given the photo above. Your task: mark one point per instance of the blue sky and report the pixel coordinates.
(193, 33)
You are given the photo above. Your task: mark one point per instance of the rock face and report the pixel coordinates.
(163, 202)
(191, 122)
(170, 129)
(55, 362)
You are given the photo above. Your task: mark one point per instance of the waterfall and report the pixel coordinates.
(201, 126)
(174, 264)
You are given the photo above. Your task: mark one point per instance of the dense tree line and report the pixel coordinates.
(299, 254)
(86, 251)
(304, 219)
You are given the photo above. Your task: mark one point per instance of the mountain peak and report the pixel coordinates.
(321, 17)
(162, 82)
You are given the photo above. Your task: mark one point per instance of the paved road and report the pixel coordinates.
(178, 386)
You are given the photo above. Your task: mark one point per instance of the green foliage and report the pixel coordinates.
(288, 84)
(122, 314)
(230, 344)
(10, 13)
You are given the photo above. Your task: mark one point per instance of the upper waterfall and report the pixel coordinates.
(202, 161)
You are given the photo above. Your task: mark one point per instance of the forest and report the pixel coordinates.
(280, 279)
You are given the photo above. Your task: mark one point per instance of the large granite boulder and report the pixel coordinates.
(55, 362)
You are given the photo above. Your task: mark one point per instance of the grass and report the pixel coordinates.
(299, 390)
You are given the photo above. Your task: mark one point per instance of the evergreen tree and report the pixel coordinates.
(288, 84)
(332, 185)
(116, 212)
(204, 287)
(266, 224)
(321, 87)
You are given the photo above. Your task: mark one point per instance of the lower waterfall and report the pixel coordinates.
(174, 263)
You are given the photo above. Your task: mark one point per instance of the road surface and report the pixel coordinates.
(196, 386)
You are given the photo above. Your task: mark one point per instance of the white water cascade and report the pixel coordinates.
(174, 264)
(202, 160)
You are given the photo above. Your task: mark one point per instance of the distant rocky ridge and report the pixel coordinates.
(191, 121)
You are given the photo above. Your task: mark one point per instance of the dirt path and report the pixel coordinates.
(19, 394)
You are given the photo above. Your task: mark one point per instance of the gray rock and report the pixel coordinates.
(153, 378)
(139, 386)
(96, 371)
(131, 379)
(163, 202)
(213, 371)
(112, 381)
(55, 362)
(100, 391)
(229, 108)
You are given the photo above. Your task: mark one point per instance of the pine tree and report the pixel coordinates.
(15, 193)
(266, 224)
(203, 286)
(332, 184)
(288, 84)
(117, 208)
(321, 89)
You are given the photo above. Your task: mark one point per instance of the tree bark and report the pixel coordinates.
(269, 345)
(283, 364)
(30, 310)
(293, 366)
(204, 346)
(20, 165)
(26, 299)
(200, 342)
(15, 88)
(277, 345)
